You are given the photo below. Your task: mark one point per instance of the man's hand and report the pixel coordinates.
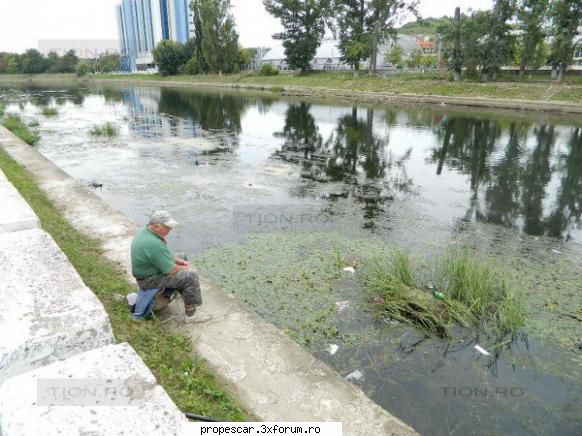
(182, 262)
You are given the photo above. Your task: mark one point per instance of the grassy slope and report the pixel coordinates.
(427, 84)
(432, 83)
(169, 355)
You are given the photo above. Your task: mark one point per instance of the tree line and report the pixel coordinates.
(536, 32)
(529, 33)
(34, 62)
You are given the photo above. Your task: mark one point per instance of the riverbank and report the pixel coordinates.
(271, 376)
(185, 377)
(412, 89)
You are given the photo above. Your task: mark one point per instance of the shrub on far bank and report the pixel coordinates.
(15, 124)
(108, 129)
(191, 67)
(83, 68)
(268, 70)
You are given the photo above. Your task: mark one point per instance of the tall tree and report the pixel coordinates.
(353, 18)
(456, 61)
(531, 15)
(32, 62)
(566, 18)
(498, 39)
(216, 39)
(304, 23)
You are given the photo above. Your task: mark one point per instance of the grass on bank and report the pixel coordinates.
(430, 83)
(15, 124)
(49, 111)
(169, 355)
(469, 293)
(108, 130)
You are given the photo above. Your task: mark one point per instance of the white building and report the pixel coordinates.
(328, 54)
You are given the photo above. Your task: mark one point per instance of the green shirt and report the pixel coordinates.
(150, 255)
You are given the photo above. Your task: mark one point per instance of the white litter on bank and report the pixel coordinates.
(481, 350)
(333, 349)
(342, 306)
(355, 376)
(131, 298)
(350, 269)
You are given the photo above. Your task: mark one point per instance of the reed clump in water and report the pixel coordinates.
(469, 293)
(108, 129)
(49, 111)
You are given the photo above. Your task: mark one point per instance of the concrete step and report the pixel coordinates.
(46, 311)
(108, 391)
(16, 214)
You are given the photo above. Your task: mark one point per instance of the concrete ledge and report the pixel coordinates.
(151, 411)
(46, 311)
(2, 177)
(278, 380)
(16, 213)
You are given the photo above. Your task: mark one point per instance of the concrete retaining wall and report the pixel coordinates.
(274, 378)
(37, 402)
(55, 331)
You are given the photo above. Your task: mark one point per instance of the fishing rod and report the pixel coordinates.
(193, 417)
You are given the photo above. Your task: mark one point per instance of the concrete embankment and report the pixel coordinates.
(56, 344)
(273, 377)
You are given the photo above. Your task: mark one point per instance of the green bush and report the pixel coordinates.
(83, 68)
(268, 70)
(2, 110)
(15, 124)
(191, 67)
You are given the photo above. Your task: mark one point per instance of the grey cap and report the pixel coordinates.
(163, 217)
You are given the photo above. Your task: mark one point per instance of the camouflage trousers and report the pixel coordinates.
(186, 283)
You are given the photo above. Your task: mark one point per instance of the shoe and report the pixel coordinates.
(197, 318)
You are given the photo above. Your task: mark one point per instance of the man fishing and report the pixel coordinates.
(156, 268)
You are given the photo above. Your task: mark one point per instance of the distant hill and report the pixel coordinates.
(428, 26)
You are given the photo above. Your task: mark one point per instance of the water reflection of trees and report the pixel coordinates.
(213, 112)
(353, 154)
(569, 202)
(513, 182)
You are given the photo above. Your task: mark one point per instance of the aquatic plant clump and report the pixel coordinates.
(108, 129)
(49, 111)
(469, 293)
(2, 110)
(15, 124)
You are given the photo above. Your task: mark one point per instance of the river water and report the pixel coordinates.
(272, 193)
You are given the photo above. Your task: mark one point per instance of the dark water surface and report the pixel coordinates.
(300, 178)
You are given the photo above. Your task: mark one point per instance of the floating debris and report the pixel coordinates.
(342, 306)
(333, 349)
(481, 350)
(350, 269)
(355, 376)
(556, 251)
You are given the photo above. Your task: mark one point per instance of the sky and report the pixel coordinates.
(24, 22)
